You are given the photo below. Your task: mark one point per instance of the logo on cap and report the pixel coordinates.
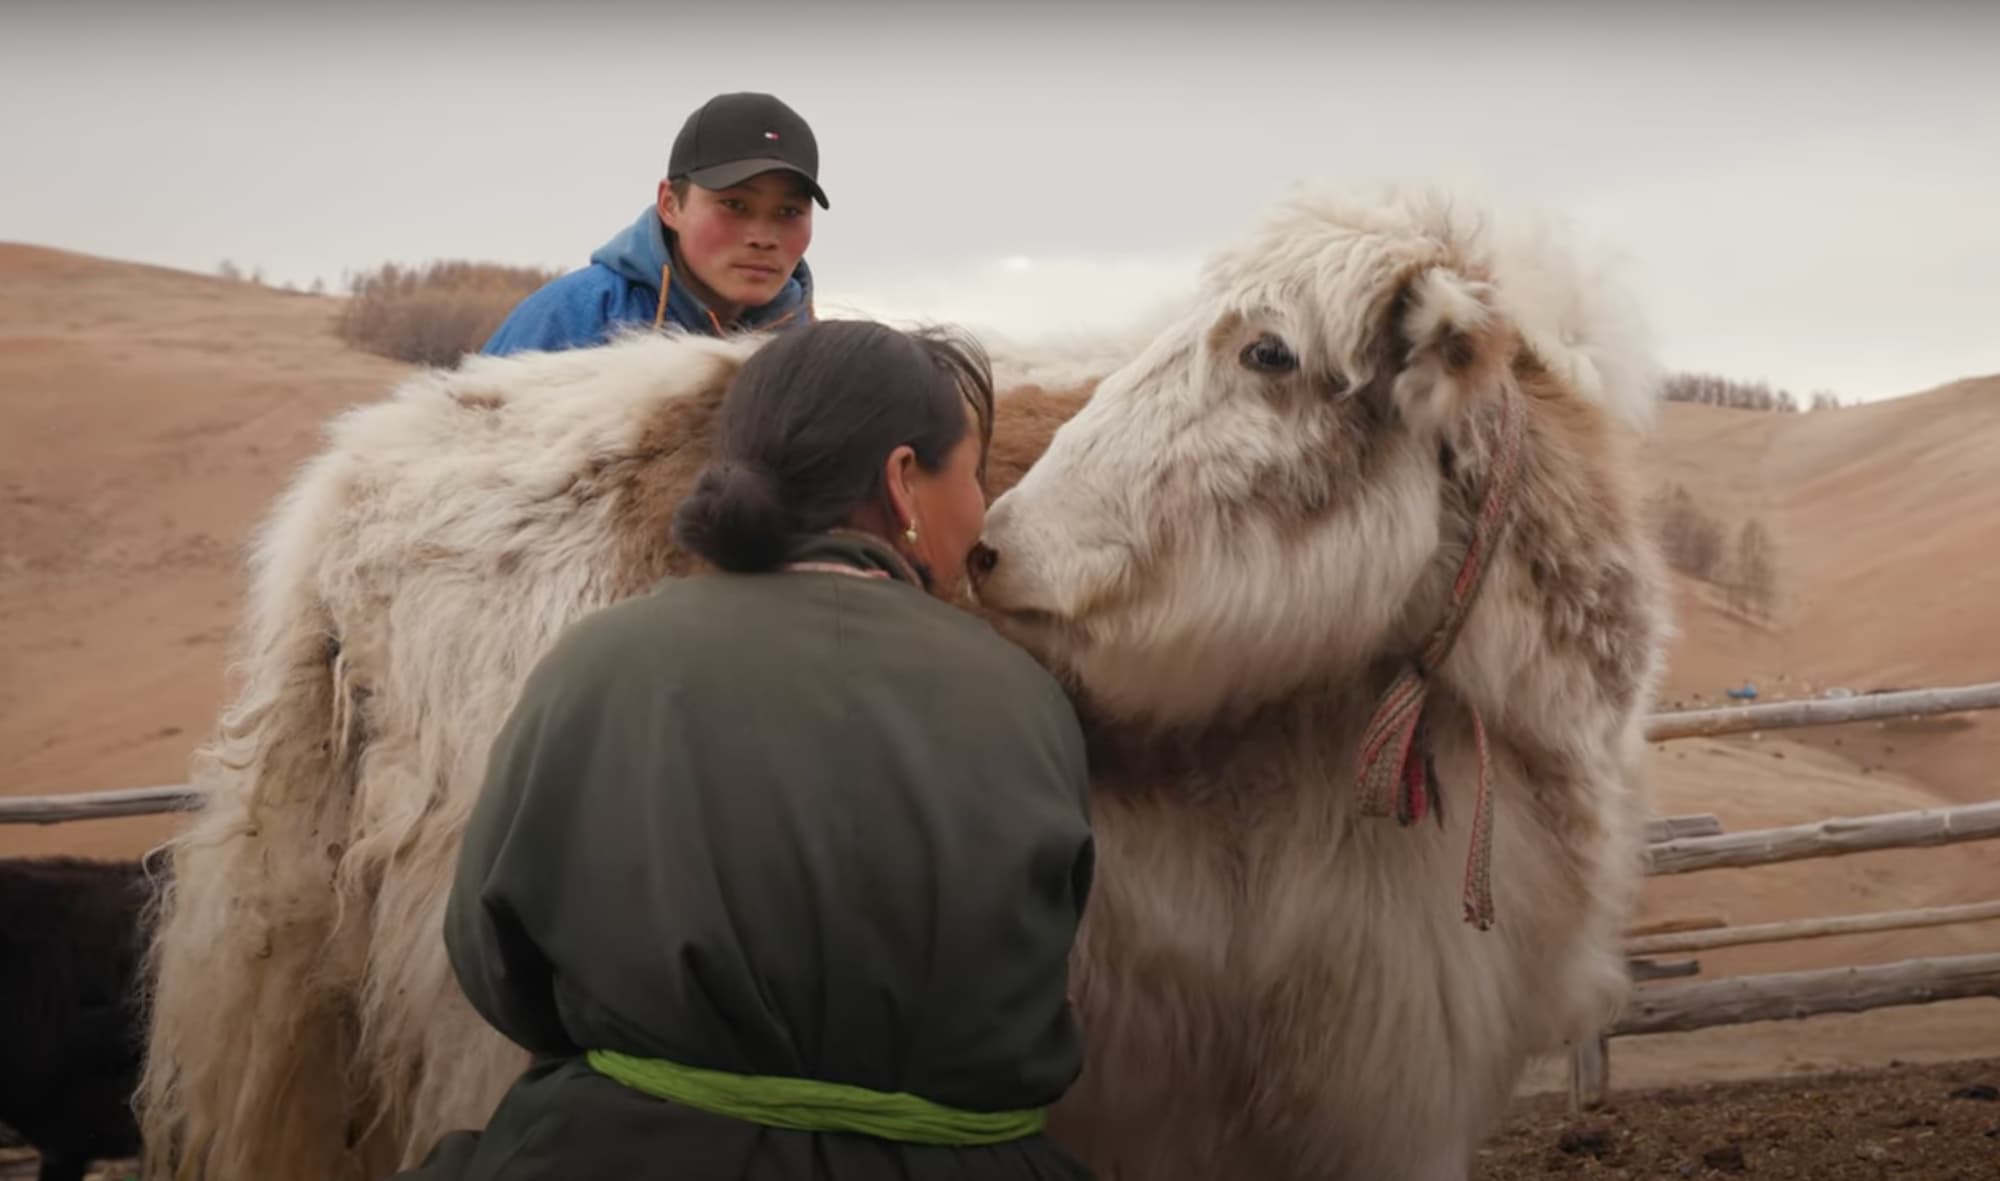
(770, 135)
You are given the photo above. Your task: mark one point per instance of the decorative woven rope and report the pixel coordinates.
(1398, 775)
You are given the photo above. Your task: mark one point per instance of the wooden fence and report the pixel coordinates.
(1676, 844)
(1696, 843)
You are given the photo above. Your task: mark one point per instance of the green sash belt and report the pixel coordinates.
(814, 1106)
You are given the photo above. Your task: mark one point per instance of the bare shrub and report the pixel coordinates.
(1691, 538)
(435, 314)
(1754, 572)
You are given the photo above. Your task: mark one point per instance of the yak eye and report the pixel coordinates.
(1268, 354)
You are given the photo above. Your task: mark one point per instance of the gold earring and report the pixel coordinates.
(910, 533)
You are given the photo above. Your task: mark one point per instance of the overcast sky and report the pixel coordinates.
(1807, 194)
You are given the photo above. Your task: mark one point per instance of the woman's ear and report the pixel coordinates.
(897, 471)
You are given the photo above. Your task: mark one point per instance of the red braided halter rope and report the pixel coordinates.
(1397, 776)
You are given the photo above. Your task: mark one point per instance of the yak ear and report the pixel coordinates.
(1453, 345)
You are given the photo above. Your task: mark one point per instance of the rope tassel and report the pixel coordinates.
(1399, 778)
(1398, 770)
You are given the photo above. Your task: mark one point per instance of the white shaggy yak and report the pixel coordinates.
(1231, 553)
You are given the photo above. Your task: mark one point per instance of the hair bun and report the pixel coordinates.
(735, 517)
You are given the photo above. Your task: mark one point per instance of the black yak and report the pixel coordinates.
(72, 943)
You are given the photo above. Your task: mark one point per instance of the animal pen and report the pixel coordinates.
(1663, 1000)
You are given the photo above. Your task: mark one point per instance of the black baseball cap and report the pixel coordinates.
(733, 137)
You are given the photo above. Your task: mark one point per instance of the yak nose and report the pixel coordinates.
(981, 561)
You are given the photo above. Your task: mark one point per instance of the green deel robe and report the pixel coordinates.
(799, 824)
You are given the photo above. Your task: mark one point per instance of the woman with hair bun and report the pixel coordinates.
(776, 870)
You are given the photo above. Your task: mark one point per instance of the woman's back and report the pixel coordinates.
(807, 825)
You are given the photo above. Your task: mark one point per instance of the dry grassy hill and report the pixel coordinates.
(147, 417)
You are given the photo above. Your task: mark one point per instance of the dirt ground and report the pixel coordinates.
(1937, 1122)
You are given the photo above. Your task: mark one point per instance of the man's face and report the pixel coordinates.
(743, 241)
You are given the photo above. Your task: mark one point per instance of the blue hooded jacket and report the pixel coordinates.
(622, 285)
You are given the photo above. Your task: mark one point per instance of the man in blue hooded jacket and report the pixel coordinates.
(721, 250)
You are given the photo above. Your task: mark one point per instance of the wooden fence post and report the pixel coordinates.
(1589, 1073)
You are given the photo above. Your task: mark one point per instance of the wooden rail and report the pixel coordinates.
(1645, 969)
(1819, 928)
(1691, 922)
(1673, 828)
(99, 805)
(1828, 838)
(1821, 711)
(1778, 996)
